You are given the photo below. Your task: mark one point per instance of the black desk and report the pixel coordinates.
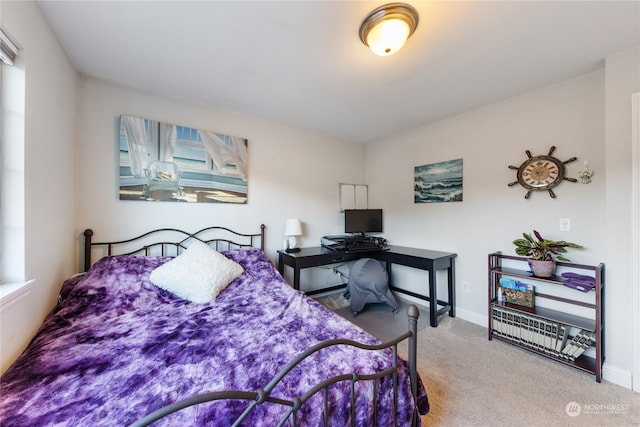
(423, 259)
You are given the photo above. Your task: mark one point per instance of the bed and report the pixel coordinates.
(120, 349)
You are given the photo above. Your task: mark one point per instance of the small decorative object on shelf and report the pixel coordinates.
(572, 332)
(542, 268)
(542, 252)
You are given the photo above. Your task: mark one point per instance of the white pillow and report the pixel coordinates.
(198, 274)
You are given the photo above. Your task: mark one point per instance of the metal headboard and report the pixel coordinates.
(157, 242)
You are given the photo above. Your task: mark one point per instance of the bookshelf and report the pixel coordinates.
(565, 325)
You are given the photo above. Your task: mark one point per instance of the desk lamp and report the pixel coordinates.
(292, 228)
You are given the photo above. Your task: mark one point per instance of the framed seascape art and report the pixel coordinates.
(438, 182)
(167, 162)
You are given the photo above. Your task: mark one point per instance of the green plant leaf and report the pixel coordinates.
(541, 248)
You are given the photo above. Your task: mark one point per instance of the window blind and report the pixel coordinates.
(8, 49)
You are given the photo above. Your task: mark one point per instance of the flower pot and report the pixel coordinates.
(542, 268)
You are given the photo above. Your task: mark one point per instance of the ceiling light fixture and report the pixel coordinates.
(386, 29)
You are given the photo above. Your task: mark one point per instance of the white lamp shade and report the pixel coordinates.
(388, 37)
(293, 227)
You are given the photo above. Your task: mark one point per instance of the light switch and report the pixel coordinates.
(565, 224)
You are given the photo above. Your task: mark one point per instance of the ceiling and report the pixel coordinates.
(301, 63)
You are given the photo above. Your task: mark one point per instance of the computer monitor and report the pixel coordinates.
(363, 221)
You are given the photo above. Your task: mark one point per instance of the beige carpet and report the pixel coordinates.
(472, 381)
(378, 319)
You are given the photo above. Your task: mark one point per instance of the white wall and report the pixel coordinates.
(50, 126)
(569, 115)
(292, 173)
(621, 80)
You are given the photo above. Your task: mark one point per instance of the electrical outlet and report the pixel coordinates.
(465, 285)
(565, 224)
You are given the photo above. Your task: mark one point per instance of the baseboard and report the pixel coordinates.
(461, 313)
(472, 317)
(617, 376)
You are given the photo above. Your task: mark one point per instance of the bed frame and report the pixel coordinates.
(170, 242)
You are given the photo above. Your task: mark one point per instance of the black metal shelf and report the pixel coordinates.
(593, 324)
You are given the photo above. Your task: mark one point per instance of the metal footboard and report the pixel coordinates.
(294, 404)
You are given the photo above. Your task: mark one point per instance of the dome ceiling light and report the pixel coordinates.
(386, 29)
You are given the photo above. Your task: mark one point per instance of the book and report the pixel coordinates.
(510, 323)
(548, 335)
(561, 339)
(524, 329)
(585, 340)
(517, 326)
(496, 320)
(537, 337)
(516, 292)
(505, 323)
(578, 344)
(544, 335)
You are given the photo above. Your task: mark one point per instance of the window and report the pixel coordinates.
(189, 151)
(12, 99)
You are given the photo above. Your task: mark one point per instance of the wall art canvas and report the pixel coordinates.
(167, 162)
(438, 182)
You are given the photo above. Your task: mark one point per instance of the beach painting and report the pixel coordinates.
(438, 182)
(172, 163)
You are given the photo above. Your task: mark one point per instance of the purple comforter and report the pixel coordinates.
(117, 347)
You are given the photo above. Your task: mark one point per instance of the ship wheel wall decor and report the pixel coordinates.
(539, 173)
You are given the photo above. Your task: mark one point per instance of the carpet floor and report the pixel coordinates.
(378, 319)
(472, 381)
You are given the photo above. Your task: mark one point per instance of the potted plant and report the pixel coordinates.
(542, 252)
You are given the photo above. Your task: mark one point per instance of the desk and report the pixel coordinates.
(422, 259)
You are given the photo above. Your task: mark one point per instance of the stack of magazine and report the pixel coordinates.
(544, 335)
